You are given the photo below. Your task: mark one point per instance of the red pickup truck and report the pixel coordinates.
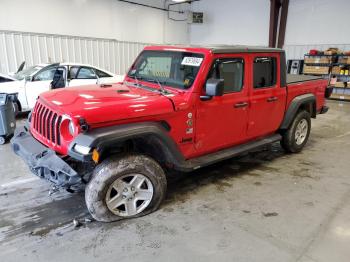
(179, 108)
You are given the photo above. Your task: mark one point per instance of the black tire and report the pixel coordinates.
(116, 168)
(288, 141)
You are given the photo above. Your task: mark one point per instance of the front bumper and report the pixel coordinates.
(43, 161)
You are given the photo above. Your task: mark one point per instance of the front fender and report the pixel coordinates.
(103, 138)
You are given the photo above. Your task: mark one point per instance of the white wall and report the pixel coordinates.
(93, 18)
(232, 22)
(318, 22)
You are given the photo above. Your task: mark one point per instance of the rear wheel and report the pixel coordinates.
(125, 187)
(297, 135)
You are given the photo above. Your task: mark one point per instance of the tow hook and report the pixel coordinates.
(54, 189)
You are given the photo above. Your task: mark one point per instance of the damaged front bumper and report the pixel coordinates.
(43, 161)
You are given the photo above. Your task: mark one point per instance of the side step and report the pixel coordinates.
(212, 158)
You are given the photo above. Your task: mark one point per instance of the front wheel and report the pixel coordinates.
(125, 187)
(297, 135)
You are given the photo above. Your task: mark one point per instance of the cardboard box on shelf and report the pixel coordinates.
(339, 84)
(316, 70)
(336, 70)
(317, 60)
(344, 59)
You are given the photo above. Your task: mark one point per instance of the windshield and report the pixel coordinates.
(27, 72)
(171, 68)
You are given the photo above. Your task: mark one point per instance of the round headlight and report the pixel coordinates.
(71, 128)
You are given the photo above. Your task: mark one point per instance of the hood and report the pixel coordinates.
(10, 87)
(98, 104)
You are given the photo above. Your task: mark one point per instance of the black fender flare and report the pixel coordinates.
(102, 138)
(294, 106)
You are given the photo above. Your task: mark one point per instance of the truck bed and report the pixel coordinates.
(291, 79)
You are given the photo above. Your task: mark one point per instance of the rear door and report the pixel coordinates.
(222, 120)
(267, 97)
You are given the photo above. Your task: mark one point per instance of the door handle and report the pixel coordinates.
(272, 99)
(241, 104)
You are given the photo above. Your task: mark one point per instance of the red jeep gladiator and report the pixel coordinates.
(179, 108)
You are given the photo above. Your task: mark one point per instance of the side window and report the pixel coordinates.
(86, 73)
(73, 72)
(101, 74)
(265, 72)
(45, 75)
(232, 71)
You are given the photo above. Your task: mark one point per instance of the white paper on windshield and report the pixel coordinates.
(192, 61)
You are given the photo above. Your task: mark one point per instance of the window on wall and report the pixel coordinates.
(232, 71)
(265, 72)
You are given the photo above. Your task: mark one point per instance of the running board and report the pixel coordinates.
(212, 158)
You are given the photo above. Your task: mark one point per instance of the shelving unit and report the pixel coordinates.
(330, 66)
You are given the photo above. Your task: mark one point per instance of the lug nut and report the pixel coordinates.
(123, 197)
(125, 189)
(132, 188)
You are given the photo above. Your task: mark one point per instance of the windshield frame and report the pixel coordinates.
(153, 79)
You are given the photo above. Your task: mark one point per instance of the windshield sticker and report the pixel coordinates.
(192, 61)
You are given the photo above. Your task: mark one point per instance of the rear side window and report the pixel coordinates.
(101, 74)
(265, 72)
(232, 71)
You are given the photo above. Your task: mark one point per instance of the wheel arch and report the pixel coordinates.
(305, 102)
(150, 138)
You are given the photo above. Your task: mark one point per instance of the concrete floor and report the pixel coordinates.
(266, 206)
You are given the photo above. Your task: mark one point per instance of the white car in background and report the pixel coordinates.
(6, 78)
(32, 81)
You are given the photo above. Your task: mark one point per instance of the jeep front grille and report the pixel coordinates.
(46, 123)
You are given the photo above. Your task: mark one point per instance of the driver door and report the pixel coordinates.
(222, 120)
(40, 83)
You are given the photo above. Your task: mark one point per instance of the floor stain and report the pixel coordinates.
(270, 214)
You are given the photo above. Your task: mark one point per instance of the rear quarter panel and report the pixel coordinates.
(316, 87)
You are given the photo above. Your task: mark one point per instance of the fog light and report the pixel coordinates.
(84, 150)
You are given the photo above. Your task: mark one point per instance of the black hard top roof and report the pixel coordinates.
(243, 49)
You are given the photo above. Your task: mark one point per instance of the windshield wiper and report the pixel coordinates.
(161, 87)
(136, 80)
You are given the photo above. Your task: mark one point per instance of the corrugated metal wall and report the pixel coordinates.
(110, 54)
(298, 51)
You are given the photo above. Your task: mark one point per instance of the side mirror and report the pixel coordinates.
(213, 87)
